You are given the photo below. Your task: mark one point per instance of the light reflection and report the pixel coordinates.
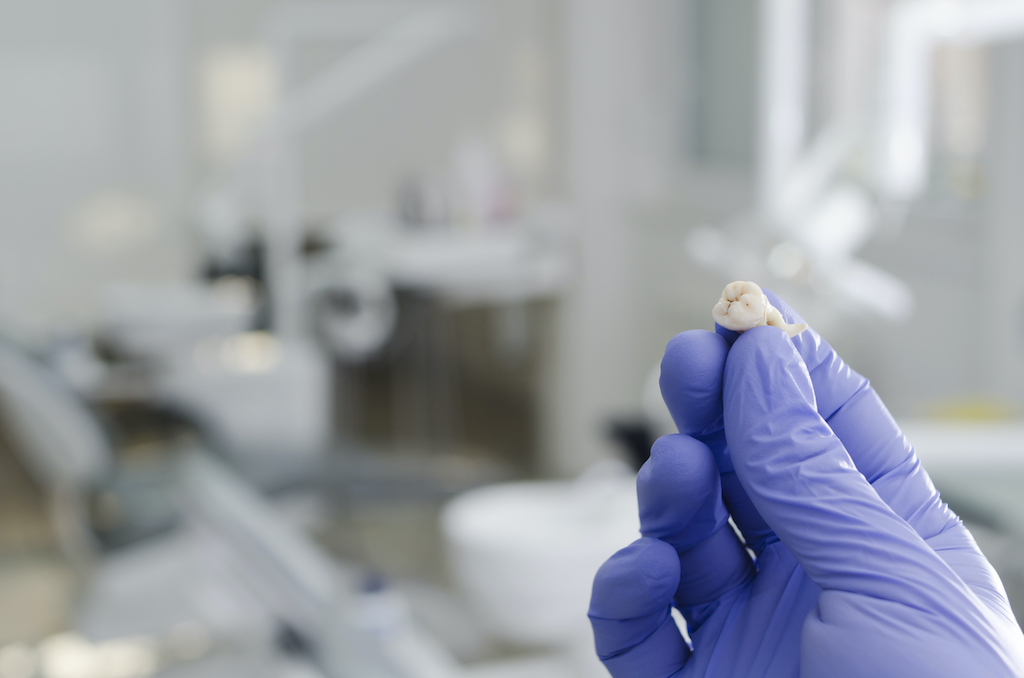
(242, 353)
(69, 655)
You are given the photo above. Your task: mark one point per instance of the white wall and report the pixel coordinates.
(623, 71)
(92, 159)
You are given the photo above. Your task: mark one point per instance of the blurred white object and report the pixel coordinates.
(352, 308)
(258, 395)
(72, 454)
(840, 222)
(785, 46)
(267, 180)
(239, 89)
(413, 653)
(68, 655)
(973, 445)
(218, 589)
(914, 30)
(222, 225)
(525, 553)
(483, 189)
(114, 223)
(506, 265)
(876, 289)
(521, 260)
(808, 193)
(255, 393)
(158, 319)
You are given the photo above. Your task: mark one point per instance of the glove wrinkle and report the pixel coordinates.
(887, 460)
(786, 614)
(623, 634)
(756, 532)
(700, 584)
(662, 653)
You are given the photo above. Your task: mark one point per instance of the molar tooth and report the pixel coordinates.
(743, 306)
(734, 290)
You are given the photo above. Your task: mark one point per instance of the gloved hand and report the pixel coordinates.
(861, 569)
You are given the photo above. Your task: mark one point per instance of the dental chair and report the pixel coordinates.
(203, 550)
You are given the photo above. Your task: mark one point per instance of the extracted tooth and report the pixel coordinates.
(743, 305)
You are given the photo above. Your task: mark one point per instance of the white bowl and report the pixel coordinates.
(525, 554)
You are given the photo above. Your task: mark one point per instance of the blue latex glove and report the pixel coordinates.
(861, 569)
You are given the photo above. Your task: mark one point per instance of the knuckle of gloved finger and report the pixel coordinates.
(636, 581)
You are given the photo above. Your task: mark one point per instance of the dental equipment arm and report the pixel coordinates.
(860, 569)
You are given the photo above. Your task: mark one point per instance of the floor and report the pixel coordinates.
(36, 584)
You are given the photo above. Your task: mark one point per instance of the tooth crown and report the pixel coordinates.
(743, 306)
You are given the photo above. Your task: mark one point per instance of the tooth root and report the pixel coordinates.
(775, 319)
(791, 330)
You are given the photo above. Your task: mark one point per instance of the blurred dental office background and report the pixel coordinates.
(330, 329)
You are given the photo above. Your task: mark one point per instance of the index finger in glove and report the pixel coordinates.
(803, 482)
(875, 443)
(883, 455)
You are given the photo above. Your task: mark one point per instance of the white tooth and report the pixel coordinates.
(743, 306)
(733, 290)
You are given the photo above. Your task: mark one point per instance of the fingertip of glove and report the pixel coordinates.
(697, 355)
(680, 472)
(637, 580)
(691, 379)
